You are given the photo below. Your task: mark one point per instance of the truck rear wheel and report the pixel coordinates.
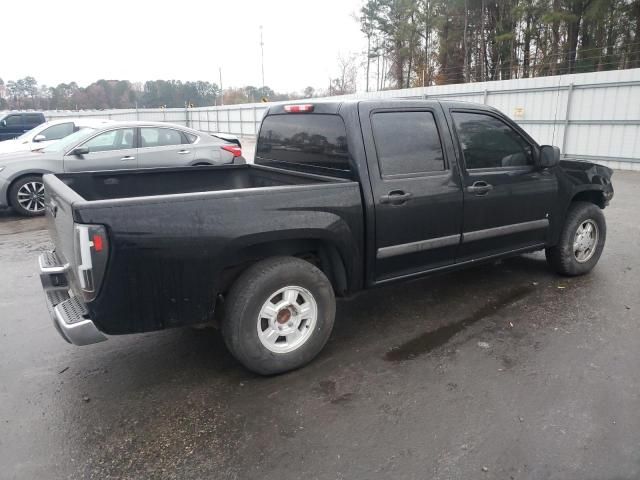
(581, 240)
(278, 315)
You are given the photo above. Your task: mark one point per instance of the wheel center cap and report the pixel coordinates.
(284, 316)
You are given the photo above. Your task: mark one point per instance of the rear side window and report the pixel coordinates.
(407, 143)
(33, 119)
(160, 137)
(314, 143)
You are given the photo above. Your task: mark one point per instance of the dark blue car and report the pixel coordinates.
(14, 124)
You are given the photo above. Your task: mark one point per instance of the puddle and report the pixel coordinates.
(10, 223)
(430, 340)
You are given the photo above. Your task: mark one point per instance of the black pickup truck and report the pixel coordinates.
(342, 196)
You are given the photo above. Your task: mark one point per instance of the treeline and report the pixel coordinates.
(25, 93)
(427, 42)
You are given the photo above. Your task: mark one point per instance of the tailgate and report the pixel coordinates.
(59, 199)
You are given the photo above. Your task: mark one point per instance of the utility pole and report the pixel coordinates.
(221, 89)
(262, 59)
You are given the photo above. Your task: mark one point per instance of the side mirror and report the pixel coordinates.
(80, 151)
(549, 156)
(40, 138)
(3, 123)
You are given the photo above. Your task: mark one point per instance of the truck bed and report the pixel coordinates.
(176, 236)
(110, 185)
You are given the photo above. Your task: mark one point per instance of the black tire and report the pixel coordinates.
(562, 257)
(14, 191)
(246, 298)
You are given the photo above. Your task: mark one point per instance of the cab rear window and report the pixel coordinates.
(315, 143)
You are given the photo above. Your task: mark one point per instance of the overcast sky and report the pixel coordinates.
(85, 40)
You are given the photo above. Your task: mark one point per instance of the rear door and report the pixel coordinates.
(507, 198)
(416, 187)
(164, 147)
(109, 150)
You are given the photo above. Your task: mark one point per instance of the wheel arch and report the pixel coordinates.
(320, 252)
(20, 176)
(594, 195)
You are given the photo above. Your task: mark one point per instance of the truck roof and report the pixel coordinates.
(333, 106)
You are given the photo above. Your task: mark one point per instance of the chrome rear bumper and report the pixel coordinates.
(69, 314)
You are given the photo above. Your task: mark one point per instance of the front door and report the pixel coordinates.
(416, 188)
(111, 150)
(508, 199)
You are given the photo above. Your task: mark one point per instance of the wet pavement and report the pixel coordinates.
(498, 372)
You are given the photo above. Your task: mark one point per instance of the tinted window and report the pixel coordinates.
(13, 120)
(111, 140)
(190, 137)
(407, 143)
(33, 119)
(57, 132)
(159, 137)
(490, 143)
(312, 142)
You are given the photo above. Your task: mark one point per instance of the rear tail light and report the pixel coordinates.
(234, 149)
(91, 251)
(304, 108)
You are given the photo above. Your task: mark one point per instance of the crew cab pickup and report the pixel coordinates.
(342, 196)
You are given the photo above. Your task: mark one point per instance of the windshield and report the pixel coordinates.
(66, 142)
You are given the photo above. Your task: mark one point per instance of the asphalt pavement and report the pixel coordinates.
(504, 371)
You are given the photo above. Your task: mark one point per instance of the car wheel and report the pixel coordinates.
(27, 196)
(581, 240)
(278, 315)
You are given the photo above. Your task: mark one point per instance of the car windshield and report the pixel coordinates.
(63, 144)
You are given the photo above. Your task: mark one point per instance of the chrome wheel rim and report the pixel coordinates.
(31, 196)
(287, 319)
(585, 240)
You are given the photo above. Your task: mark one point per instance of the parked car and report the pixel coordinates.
(391, 190)
(113, 146)
(46, 133)
(14, 124)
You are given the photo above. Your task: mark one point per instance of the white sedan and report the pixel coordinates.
(49, 132)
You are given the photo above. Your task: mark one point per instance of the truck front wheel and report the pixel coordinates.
(581, 240)
(278, 315)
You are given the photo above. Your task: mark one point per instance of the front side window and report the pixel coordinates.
(488, 142)
(14, 120)
(112, 140)
(159, 137)
(56, 132)
(407, 143)
(307, 142)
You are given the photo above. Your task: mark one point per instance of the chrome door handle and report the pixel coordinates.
(480, 188)
(128, 158)
(184, 152)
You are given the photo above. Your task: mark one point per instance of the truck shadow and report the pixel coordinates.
(435, 309)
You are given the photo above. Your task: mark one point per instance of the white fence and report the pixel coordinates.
(589, 115)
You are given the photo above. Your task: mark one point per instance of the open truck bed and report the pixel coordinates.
(172, 239)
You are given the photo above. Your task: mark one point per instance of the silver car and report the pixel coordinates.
(119, 145)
